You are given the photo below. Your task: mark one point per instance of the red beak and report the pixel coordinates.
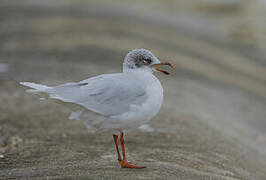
(162, 64)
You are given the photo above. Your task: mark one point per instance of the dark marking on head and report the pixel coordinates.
(139, 58)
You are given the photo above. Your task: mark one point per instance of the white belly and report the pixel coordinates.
(139, 115)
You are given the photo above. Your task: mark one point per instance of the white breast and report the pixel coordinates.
(155, 98)
(139, 115)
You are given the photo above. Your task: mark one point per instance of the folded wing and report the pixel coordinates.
(108, 95)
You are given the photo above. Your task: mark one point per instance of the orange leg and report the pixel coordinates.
(117, 149)
(124, 163)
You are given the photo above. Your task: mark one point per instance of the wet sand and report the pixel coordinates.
(211, 126)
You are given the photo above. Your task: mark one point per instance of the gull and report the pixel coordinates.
(115, 101)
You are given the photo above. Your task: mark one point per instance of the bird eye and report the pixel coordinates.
(147, 61)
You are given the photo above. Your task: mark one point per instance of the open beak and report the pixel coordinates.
(162, 64)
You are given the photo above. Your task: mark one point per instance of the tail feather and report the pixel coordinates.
(35, 87)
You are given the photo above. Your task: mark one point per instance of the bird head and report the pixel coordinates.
(143, 59)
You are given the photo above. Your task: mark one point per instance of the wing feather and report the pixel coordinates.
(108, 95)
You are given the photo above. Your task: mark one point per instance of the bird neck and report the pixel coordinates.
(140, 69)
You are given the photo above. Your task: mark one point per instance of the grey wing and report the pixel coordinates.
(108, 95)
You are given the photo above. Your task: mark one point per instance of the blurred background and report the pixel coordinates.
(213, 121)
